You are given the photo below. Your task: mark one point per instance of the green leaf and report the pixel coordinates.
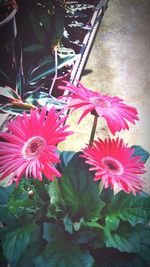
(38, 31)
(131, 239)
(5, 193)
(15, 110)
(145, 236)
(20, 83)
(125, 239)
(9, 93)
(60, 20)
(144, 239)
(18, 206)
(107, 194)
(128, 207)
(33, 48)
(48, 68)
(59, 25)
(33, 250)
(54, 193)
(42, 98)
(22, 206)
(33, 97)
(5, 215)
(68, 224)
(51, 232)
(109, 257)
(3, 261)
(79, 191)
(15, 242)
(20, 80)
(49, 59)
(85, 236)
(93, 224)
(46, 20)
(65, 157)
(112, 223)
(62, 250)
(5, 75)
(139, 151)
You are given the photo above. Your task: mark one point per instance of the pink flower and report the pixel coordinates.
(115, 164)
(112, 109)
(30, 145)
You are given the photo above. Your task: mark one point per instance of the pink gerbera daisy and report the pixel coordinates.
(115, 164)
(115, 112)
(29, 147)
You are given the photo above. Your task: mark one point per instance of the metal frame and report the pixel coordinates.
(88, 42)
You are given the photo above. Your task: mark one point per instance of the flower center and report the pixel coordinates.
(33, 147)
(100, 102)
(113, 165)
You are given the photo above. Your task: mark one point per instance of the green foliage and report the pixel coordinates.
(133, 209)
(18, 206)
(4, 3)
(33, 48)
(16, 242)
(65, 157)
(37, 27)
(32, 65)
(22, 206)
(69, 223)
(5, 215)
(125, 239)
(47, 66)
(131, 239)
(140, 151)
(45, 23)
(79, 191)
(18, 100)
(20, 78)
(110, 257)
(9, 93)
(61, 250)
(13, 104)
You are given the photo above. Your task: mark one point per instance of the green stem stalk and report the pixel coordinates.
(101, 186)
(93, 131)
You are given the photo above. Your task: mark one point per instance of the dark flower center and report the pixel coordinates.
(112, 165)
(33, 147)
(100, 102)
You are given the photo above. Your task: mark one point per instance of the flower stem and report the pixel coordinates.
(93, 130)
(101, 186)
(56, 73)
